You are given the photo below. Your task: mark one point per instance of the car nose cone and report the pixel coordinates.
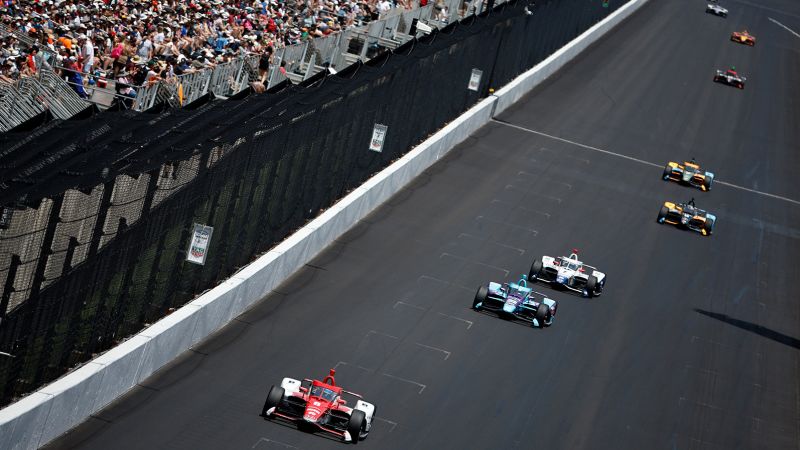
(312, 415)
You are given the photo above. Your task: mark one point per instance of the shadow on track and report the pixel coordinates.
(750, 326)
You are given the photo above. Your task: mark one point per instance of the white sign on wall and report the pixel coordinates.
(198, 247)
(378, 136)
(475, 80)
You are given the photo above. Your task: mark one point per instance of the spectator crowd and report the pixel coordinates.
(137, 42)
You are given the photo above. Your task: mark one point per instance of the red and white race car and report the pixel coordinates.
(320, 406)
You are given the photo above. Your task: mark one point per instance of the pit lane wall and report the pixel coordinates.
(53, 410)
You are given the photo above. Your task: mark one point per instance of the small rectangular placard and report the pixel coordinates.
(475, 80)
(198, 247)
(378, 136)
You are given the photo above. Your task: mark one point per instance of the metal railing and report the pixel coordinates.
(30, 96)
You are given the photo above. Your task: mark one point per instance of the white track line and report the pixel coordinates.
(381, 334)
(436, 349)
(510, 247)
(405, 380)
(390, 422)
(468, 322)
(273, 441)
(783, 26)
(640, 161)
(506, 271)
(578, 144)
(409, 305)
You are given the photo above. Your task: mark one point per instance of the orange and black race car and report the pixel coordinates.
(688, 173)
(743, 37)
(687, 215)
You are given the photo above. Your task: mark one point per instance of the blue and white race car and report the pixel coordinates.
(516, 301)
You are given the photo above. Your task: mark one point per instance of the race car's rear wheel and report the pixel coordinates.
(591, 286)
(667, 172)
(662, 214)
(273, 399)
(536, 269)
(356, 424)
(480, 297)
(543, 314)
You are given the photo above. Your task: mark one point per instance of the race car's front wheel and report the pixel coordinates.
(273, 399)
(356, 424)
(367, 425)
(536, 269)
(662, 214)
(591, 286)
(480, 297)
(707, 182)
(709, 227)
(667, 172)
(543, 314)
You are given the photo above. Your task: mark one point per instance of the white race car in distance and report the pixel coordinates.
(570, 273)
(716, 10)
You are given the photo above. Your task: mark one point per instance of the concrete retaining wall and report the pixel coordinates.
(53, 410)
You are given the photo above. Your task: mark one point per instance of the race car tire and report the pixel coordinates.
(480, 297)
(716, 79)
(536, 269)
(740, 85)
(709, 227)
(667, 172)
(708, 181)
(365, 432)
(273, 399)
(591, 286)
(356, 424)
(662, 214)
(542, 314)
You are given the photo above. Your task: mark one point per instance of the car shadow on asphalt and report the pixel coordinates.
(753, 328)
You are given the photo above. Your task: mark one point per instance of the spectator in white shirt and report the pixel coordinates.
(87, 53)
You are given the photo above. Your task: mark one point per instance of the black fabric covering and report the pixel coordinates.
(268, 164)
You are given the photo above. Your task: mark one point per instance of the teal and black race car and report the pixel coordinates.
(516, 301)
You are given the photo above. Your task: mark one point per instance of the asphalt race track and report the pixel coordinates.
(695, 343)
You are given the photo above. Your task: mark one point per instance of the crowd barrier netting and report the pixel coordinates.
(97, 214)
